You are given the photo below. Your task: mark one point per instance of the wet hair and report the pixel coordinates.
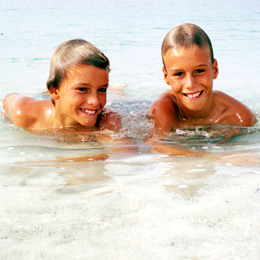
(72, 53)
(186, 35)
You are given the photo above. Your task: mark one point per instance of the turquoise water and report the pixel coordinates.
(147, 206)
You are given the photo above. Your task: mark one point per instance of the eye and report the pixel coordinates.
(102, 90)
(178, 74)
(83, 89)
(199, 71)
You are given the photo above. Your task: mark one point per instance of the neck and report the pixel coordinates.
(203, 114)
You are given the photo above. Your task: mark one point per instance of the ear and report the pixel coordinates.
(54, 93)
(215, 69)
(165, 75)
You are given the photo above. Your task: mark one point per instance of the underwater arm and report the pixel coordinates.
(98, 157)
(114, 149)
(163, 148)
(170, 150)
(242, 159)
(115, 143)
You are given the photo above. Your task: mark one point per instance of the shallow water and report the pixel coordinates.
(142, 206)
(146, 206)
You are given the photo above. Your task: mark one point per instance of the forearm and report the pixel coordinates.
(118, 146)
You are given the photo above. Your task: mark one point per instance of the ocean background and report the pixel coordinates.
(148, 206)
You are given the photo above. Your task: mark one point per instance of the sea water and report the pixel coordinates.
(144, 206)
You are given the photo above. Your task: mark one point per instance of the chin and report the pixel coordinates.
(86, 123)
(89, 124)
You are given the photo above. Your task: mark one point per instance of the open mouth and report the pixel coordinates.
(194, 95)
(88, 112)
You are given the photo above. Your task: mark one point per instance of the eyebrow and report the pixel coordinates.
(198, 66)
(86, 84)
(202, 65)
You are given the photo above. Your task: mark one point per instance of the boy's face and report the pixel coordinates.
(81, 96)
(190, 73)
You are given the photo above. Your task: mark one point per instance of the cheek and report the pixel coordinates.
(73, 99)
(103, 100)
(176, 83)
(176, 88)
(208, 81)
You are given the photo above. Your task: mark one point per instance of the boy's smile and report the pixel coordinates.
(88, 111)
(193, 95)
(81, 96)
(190, 73)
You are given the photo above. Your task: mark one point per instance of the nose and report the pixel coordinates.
(190, 81)
(93, 99)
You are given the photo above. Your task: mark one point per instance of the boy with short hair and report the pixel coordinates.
(77, 84)
(189, 68)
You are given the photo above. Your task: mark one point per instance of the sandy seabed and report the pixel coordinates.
(143, 207)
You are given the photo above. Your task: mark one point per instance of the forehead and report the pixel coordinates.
(86, 72)
(192, 55)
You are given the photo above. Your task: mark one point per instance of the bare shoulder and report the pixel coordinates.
(24, 111)
(110, 120)
(163, 111)
(234, 112)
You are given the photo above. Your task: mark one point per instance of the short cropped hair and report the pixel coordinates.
(71, 53)
(186, 35)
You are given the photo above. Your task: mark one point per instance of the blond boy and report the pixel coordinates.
(189, 68)
(77, 85)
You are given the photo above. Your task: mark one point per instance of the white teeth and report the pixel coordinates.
(88, 111)
(193, 95)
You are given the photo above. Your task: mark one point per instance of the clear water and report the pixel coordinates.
(148, 206)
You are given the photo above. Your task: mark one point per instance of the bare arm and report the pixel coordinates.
(22, 111)
(235, 112)
(244, 116)
(163, 112)
(15, 107)
(9, 105)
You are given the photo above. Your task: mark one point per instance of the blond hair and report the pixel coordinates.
(186, 35)
(71, 53)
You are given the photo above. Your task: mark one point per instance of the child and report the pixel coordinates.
(77, 85)
(189, 68)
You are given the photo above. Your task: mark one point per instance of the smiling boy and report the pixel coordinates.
(77, 85)
(189, 68)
